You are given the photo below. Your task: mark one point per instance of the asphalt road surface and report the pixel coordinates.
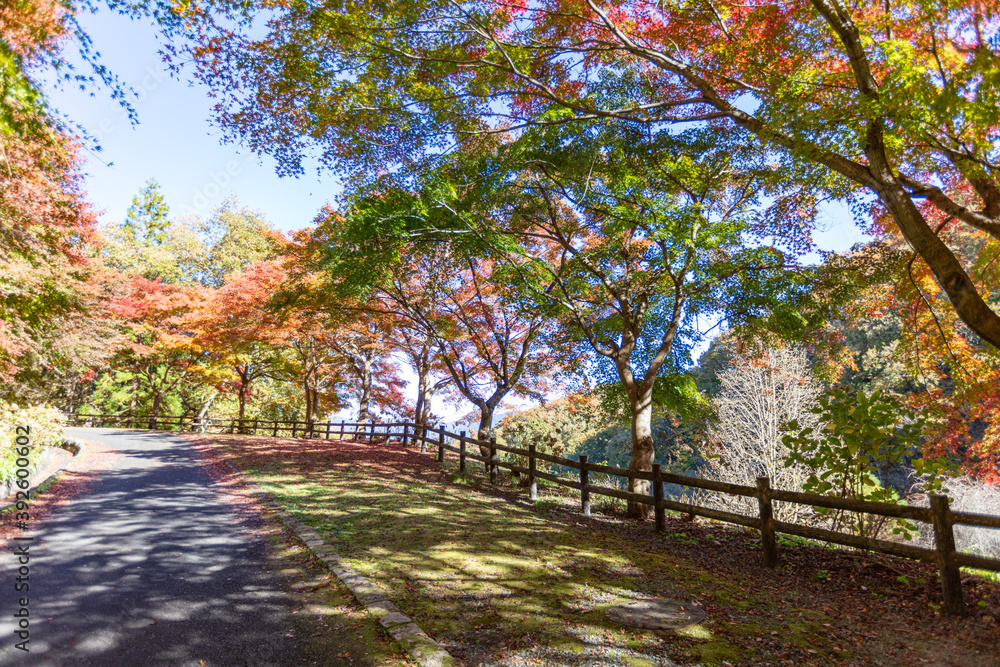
(151, 567)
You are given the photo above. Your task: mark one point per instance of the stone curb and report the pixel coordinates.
(401, 627)
(71, 445)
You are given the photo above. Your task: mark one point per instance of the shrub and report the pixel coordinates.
(45, 428)
(672, 443)
(568, 421)
(861, 439)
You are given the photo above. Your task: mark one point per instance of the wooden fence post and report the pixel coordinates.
(766, 521)
(423, 438)
(441, 445)
(327, 431)
(461, 453)
(493, 460)
(944, 542)
(658, 511)
(275, 434)
(232, 426)
(532, 482)
(584, 486)
(295, 425)
(406, 427)
(255, 425)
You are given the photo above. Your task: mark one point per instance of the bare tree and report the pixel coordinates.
(760, 393)
(969, 495)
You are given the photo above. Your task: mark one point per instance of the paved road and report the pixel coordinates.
(149, 568)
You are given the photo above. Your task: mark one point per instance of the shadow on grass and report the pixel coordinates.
(482, 575)
(490, 578)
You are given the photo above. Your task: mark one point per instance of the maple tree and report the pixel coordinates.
(232, 325)
(69, 347)
(365, 346)
(892, 106)
(255, 338)
(46, 228)
(190, 252)
(432, 375)
(490, 344)
(897, 333)
(626, 240)
(419, 283)
(358, 332)
(598, 240)
(160, 350)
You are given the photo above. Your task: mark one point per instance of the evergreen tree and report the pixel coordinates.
(146, 219)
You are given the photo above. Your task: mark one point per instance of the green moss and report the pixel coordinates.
(717, 652)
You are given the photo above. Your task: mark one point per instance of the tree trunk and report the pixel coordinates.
(427, 393)
(204, 410)
(366, 395)
(485, 424)
(156, 405)
(134, 396)
(242, 395)
(307, 389)
(643, 454)
(425, 414)
(948, 271)
(419, 411)
(315, 414)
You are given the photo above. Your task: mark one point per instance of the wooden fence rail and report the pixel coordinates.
(272, 427)
(939, 514)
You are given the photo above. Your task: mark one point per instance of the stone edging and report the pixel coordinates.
(402, 628)
(71, 445)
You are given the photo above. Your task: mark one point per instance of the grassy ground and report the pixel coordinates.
(497, 581)
(334, 627)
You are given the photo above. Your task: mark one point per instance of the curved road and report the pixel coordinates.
(151, 567)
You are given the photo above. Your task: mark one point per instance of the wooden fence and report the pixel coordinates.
(938, 514)
(271, 427)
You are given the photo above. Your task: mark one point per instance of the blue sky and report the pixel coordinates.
(173, 141)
